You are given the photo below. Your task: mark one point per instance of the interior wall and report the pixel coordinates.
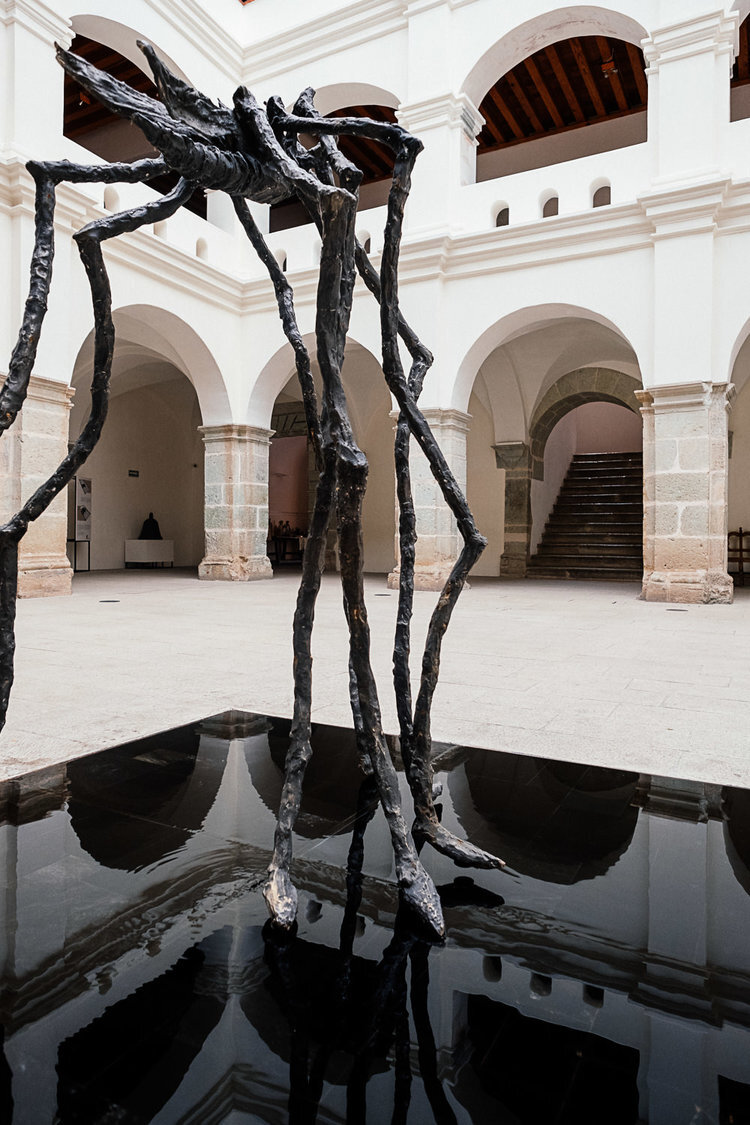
(569, 145)
(287, 475)
(154, 430)
(605, 427)
(739, 462)
(561, 445)
(485, 488)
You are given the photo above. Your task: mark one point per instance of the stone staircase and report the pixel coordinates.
(595, 530)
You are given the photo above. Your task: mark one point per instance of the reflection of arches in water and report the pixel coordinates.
(128, 805)
(133, 1057)
(736, 808)
(550, 820)
(586, 1078)
(332, 779)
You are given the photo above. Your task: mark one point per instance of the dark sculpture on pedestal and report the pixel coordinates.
(253, 152)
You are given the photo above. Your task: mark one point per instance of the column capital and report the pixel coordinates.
(512, 455)
(231, 431)
(50, 390)
(716, 31)
(687, 396)
(456, 111)
(448, 418)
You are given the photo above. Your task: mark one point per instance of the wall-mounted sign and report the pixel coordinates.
(83, 508)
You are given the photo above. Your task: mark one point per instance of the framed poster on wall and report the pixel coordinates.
(83, 508)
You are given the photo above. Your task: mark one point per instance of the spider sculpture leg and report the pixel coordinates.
(89, 244)
(335, 208)
(415, 729)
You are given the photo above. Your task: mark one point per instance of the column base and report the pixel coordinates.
(432, 578)
(513, 566)
(45, 580)
(691, 587)
(240, 568)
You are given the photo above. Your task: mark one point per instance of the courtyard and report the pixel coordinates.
(579, 672)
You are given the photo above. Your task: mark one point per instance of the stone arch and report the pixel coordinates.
(587, 384)
(525, 38)
(338, 94)
(122, 38)
(517, 323)
(155, 331)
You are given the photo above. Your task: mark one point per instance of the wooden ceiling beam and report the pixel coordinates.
(502, 105)
(611, 76)
(559, 72)
(549, 102)
(583, 65)
(638, 72)
(490, 123)
(524, 102)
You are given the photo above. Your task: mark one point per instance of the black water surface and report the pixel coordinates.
(606, 982)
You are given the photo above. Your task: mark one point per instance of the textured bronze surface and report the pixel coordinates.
(253, 152)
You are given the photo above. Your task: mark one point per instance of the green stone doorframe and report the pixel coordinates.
(587, 384)
(515, 458)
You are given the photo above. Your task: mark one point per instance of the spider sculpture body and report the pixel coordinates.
(253, 152)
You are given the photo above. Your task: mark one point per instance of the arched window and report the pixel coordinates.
(502, 218)
(201, 249)
(111, 199)
(551, 207)
(602, 197)
(281, 258)
(102, 132)
(375, 160)
(586, 80)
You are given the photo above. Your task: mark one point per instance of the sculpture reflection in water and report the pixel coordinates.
(253, 152)
(364, 1015)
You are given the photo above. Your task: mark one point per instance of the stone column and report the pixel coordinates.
(686, 458)
(515, 458)
(236, 511)
(438, 539)
(38, 443)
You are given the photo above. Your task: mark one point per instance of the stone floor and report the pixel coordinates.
(581, 672)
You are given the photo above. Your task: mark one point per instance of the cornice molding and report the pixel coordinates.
(188, 18)
(360, 22)
(456, 111)
(38, 18)
(716, 31)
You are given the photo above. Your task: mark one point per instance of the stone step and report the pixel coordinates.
(606, 458)
(595, 549)
(595, 529)
(585, 574)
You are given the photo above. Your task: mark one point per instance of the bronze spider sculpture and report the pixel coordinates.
(253, 152)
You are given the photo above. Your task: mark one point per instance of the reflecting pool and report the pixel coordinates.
(604, 979)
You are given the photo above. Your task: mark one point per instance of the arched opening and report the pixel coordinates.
(601, 196)
(292, 472)
(738, 514)
(549, 361)
(91, 125)
(502, 217)
(740, 83)
(586, 443)
(568, 98)
(374, 159)
(550, 207)
(150, 456)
